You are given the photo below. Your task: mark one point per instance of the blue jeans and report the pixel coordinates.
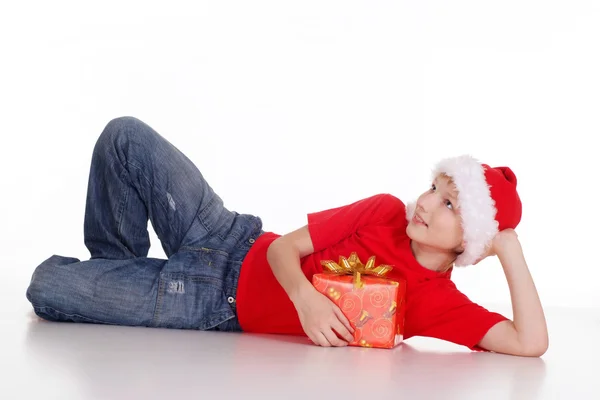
(136, 175)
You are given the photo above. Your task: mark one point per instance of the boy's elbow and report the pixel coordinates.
(536, 349)
(504, 338)
(299, 239)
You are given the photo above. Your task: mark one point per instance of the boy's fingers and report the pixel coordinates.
(343, 331)
(333, 339)
(320, 339)
(343, 319)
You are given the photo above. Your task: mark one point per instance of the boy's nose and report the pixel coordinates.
(427, 202)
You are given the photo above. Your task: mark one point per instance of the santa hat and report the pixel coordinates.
(488, 202)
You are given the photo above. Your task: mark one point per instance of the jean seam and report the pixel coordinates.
(159, 299)
(202, 215)
(42, 308)
(121, 213)
(195, 278)
(205, 250)
(216, 320)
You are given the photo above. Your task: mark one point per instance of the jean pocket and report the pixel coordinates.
(191, 292)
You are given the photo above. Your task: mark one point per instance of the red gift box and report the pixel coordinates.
(374, 304)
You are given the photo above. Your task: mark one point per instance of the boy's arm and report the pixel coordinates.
(320, 318)
(284, 256)
(527, 334)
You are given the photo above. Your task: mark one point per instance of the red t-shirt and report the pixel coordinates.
(372, 226)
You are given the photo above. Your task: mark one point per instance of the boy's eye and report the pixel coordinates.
(448, 202)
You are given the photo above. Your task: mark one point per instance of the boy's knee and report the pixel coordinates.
(37, 290)
(118, 132)
(39, 285)
(121, 123)
(116, 129)
(43, 285)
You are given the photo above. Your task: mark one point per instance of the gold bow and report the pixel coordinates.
(353, 266)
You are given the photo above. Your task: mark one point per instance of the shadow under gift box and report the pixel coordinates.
(374, 305)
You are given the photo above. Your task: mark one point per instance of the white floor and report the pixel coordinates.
(44, 360)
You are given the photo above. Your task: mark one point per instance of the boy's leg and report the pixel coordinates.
(180, 293)
(119, 292)
(137, 175)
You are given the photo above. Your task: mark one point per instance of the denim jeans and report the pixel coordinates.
(136, 175)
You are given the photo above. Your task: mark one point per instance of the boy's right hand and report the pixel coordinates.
(321, 318)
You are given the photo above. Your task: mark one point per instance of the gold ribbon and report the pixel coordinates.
(353, 266)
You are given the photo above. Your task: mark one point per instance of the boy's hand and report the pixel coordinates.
(503, 239)
(321, 318)
(499, 242)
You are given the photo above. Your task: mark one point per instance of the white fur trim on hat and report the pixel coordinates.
(476, 206)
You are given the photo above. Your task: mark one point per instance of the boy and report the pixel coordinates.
(223, 272)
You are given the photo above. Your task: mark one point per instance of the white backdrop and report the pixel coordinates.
(292, 107)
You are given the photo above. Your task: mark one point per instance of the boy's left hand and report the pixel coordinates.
(500, 241)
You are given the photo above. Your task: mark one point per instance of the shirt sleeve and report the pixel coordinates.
(443, 312)
(331, 226)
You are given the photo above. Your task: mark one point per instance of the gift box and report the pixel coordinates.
(374, 304)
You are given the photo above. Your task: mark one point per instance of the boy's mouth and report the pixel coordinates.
(418, 220)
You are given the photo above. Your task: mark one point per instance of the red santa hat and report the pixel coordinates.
(488, 202)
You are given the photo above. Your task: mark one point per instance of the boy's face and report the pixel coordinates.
(436, 222)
